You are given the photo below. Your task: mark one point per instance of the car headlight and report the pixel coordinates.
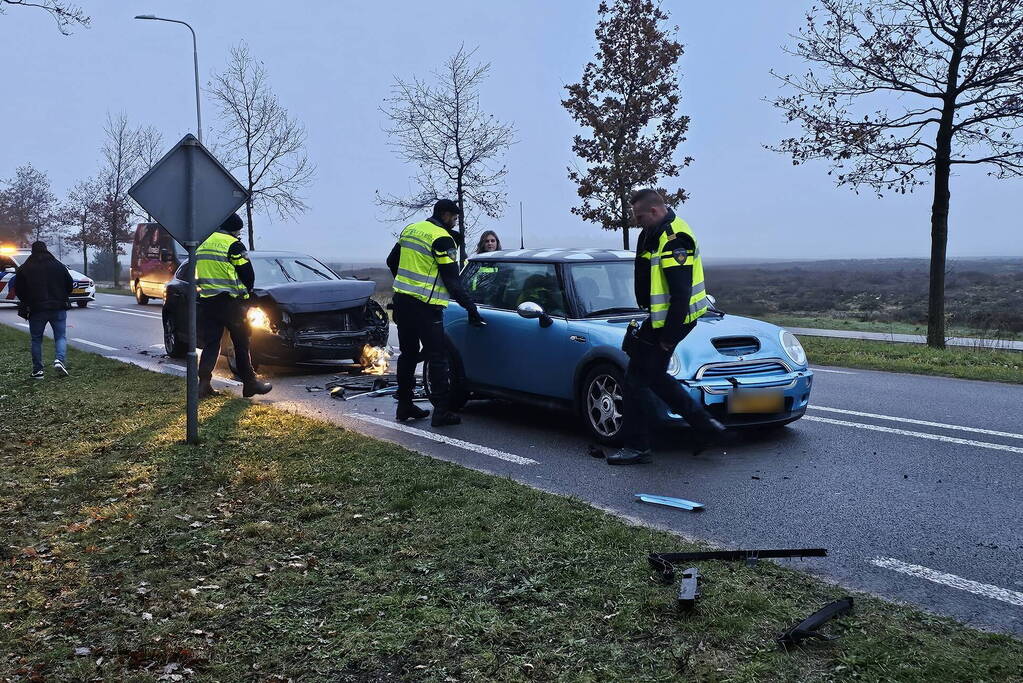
(674, 365)
(792, 347)
(257, 317)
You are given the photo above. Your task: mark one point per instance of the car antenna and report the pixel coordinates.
(522, 242)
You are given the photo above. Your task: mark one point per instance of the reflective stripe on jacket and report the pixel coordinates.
(665, 255)
(418, 274)
(215, 267)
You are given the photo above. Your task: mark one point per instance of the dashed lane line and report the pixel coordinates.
(440, 438)
(919, 435)
(925, 423)
(951, 580)
(138, 315)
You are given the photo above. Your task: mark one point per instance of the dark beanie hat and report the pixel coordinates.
(233, 223)
(39, 247)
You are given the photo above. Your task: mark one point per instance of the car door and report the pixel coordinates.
(513, 352)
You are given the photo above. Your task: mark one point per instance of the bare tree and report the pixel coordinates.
(120, 170)
(260, 139)
(66, 14)
(29, 205)
(148, 150)
(899, 90)
(456, 146)
(628, 99)
(83, 209)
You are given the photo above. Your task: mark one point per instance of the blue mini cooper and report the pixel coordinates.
(556, 319)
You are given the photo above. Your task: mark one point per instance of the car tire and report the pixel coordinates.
(458, 394)
(82, 304)
(140, 297)
(174, 347)
(601, 397)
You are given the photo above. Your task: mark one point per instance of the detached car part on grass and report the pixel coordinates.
(319, 321)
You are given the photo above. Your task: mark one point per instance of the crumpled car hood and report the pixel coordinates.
(312, 297)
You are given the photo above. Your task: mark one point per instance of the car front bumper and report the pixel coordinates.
(87, 293)
(713, 395)
(289, 348)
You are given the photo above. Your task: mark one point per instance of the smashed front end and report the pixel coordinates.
(312, 322)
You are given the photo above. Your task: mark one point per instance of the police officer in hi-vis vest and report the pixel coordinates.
(424, 263)
(224, 278)
(669, 283)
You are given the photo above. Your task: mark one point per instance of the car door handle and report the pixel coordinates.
(577, 338)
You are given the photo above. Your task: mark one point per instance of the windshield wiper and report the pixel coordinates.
(615, 309)
(287, 275)
(320, 273)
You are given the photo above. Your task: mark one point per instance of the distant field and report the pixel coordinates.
(984, 297)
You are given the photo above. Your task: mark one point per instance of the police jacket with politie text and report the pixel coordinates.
(448, 272)
(679, 279)
(43, 283)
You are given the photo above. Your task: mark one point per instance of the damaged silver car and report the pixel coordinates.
(301, 312)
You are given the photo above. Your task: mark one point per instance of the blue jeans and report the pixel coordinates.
(36, 327)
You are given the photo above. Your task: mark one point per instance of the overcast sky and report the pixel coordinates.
(331, 63)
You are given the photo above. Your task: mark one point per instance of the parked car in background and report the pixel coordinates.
(155, 257)
(83, 293)
(301, 312)
(555, 323)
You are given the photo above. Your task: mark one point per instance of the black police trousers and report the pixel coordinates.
(215, 314)
(421, 326)
(647, 376)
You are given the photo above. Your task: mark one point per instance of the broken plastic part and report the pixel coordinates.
(680, 503)
(688, 589)
(807, 628)
(662, 562)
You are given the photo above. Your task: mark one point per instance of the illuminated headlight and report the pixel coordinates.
(792, 347)
(674, 365)
(258, 318)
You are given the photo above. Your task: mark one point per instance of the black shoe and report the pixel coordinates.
(710, 437)
(629, 456)
(206, 389)
(445, 418)
(410, 411)
(61, 371)
(253, 387)
(37, 374)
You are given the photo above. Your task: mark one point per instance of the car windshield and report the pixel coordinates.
(283, 269)
(604, 288)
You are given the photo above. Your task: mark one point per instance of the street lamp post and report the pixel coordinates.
(192, 370)
(195, 60)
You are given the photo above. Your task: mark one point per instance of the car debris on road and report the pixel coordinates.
(680, 503)
(808, 628)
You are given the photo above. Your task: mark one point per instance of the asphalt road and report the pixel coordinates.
(912, 483)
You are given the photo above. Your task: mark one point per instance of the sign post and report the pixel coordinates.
(190, 194)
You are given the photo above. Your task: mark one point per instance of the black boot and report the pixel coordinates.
(254, 386)
(206, 389)
(710, 437)
(410, 411)
(445, 418)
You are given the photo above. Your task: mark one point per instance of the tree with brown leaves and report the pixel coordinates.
(260, 139)
(901, 92)
(628, 100)
(66, 14)
(441, 128)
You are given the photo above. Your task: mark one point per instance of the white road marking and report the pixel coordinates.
(919, 435)
(21, 324)
(837, 372)
(475, 448)
(140, 315)
(951, 580)
(91, 343)
(179, 367)
(925, 423)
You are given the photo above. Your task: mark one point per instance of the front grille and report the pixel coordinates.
(736, 346)
(348, 320)
(750, 368)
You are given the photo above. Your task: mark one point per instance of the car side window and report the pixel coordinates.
(505, 285)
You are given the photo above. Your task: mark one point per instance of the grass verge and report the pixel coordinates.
(962, 363)
(284, 548)
(828, 323)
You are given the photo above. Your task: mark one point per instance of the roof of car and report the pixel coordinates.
(556, 255)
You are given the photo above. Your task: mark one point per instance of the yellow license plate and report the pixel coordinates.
(77, 292)
(756, 401)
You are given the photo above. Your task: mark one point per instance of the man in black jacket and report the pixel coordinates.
(43, 285)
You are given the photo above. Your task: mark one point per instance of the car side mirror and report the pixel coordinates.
(166, 256)
(534, 311)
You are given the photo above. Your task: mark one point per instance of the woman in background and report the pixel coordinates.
(488, 242)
